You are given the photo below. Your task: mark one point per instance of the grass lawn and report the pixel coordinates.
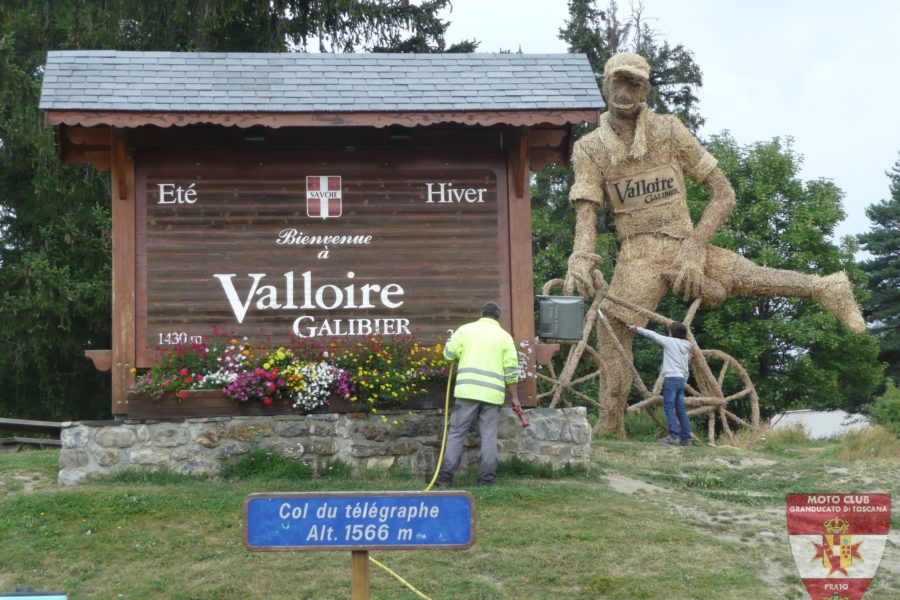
(647, 521)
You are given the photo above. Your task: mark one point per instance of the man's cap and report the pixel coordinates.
(491, 309)
(629, 62)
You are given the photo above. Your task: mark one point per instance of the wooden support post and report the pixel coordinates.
(521, 267)
(123, 265)
(359, 575)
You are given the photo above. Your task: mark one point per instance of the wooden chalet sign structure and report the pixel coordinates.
(309, 195)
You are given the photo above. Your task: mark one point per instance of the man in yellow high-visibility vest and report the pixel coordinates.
(488, 367)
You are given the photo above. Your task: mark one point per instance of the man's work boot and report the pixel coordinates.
(836, 294)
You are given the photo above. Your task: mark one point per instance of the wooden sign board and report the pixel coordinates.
(298, 244)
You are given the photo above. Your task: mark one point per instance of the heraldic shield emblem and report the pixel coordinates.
(837, 541)
(323, 196)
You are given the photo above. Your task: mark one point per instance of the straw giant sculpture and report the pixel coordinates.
(635, 163)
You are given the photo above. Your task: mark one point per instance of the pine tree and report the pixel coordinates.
(883, 269)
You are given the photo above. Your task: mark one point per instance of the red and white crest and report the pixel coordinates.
(323, 196)
(837, 541)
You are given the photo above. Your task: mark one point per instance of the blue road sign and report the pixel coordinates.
(359, 521)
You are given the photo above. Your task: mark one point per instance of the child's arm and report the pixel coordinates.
(659, 339)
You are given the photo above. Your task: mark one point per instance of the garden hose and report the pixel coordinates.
(437, 469)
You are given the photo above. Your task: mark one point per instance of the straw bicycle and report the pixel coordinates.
(706, 393)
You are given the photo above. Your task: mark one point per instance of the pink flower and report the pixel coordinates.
(183, 372)
(182, 394)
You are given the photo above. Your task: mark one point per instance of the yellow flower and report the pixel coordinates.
(383, 418)
(267, 366)
(133, 370)
(246, 353)
(234, 341)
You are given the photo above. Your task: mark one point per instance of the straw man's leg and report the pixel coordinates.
(744, 278)
(637, 279)
(615, 387)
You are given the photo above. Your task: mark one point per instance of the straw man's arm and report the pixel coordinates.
(692, 256)
(583, 260)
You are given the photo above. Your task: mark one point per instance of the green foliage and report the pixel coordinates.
(135, 475)
(55, 287)
(335, 469)
(266, 464)
(54, 259)
(641, 427)
(873, 443)
(883, 243)
(780, 439)
(886, 408)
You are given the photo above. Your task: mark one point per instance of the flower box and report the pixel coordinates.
(212, 403)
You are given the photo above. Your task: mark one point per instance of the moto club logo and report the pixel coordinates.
(323, 196)
(837, 541)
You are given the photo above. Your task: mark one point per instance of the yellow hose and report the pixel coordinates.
(437, 469)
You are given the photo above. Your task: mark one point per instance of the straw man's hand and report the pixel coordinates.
(692, 261)
(580, 275)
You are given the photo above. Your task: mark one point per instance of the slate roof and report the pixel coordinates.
(821, 424)
(104, 80)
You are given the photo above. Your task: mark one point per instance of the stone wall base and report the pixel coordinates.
(389, 440)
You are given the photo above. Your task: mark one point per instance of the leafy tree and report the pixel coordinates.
(883, 269)
(55, 220)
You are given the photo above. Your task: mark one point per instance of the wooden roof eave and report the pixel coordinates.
(76, 144)
(544, 117)
(84, 136)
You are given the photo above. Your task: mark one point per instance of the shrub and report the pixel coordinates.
(779, 439)
(886, 408)
(877, 443)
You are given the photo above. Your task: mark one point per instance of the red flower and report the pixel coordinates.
(189, 380)
(267, 400)
(182, 394)
(183, 372)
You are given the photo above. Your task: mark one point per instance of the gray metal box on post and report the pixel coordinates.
(560, 317)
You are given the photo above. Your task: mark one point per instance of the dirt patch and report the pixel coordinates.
(19, 482)
(629, 486)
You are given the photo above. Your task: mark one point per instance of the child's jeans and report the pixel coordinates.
(676, 413)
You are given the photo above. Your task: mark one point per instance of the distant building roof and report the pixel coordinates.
(821, 425)
(106, 80)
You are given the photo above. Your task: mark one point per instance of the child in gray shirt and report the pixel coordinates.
(674, 369)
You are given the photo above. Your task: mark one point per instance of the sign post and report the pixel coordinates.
(359, 522)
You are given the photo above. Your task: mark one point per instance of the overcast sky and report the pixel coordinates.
(825, 72)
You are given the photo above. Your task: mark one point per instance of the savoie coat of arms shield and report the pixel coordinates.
(323, 196)
(837, 541)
